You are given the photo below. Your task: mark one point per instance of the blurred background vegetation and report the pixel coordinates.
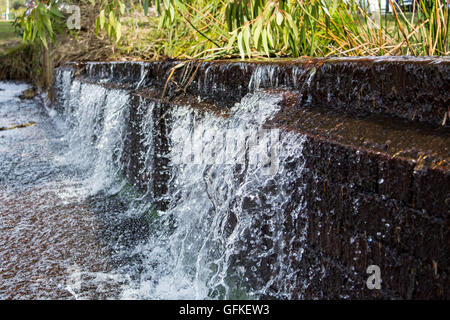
(8, 37)
(211, 29)
(16, 7)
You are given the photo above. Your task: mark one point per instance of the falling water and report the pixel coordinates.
(234, 199)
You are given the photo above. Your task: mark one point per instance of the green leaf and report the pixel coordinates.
(112, 19)
(257, 33)
(234, 14)
(286, 35)
(228, 17)
(44, 41)
(101, 18)
(265, 44)
(56, 12)
(232, 39)
(118, 31)
(48, 25)
(97, 25)
(324, 8)
(180, 6)
(122, 7)
(292, 24)
(268, 12)
(279, 18)
(240, 44)
(172, 12)
(146, 7)
(269, 36)
(247, 35)
(162, 20)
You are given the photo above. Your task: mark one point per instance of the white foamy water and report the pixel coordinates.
(9, 90)
(231, 184)
(42, 233)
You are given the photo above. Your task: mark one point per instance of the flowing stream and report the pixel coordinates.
(72, 226)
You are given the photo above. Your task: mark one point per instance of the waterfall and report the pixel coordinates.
(234, 200)
(264, 77)
(95, 119)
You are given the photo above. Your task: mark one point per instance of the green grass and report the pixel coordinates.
(6, 30)
(8, 37)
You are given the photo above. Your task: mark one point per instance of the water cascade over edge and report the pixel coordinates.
(234, 194)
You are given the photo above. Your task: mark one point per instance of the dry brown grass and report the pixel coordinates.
(86, 45)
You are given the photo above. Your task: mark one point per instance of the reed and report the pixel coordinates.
(211, 29)
(293, 28)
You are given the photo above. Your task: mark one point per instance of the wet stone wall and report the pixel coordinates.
(375, 179)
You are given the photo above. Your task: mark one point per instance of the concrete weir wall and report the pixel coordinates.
(377, 184)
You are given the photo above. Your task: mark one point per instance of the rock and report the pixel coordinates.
(28, 94)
